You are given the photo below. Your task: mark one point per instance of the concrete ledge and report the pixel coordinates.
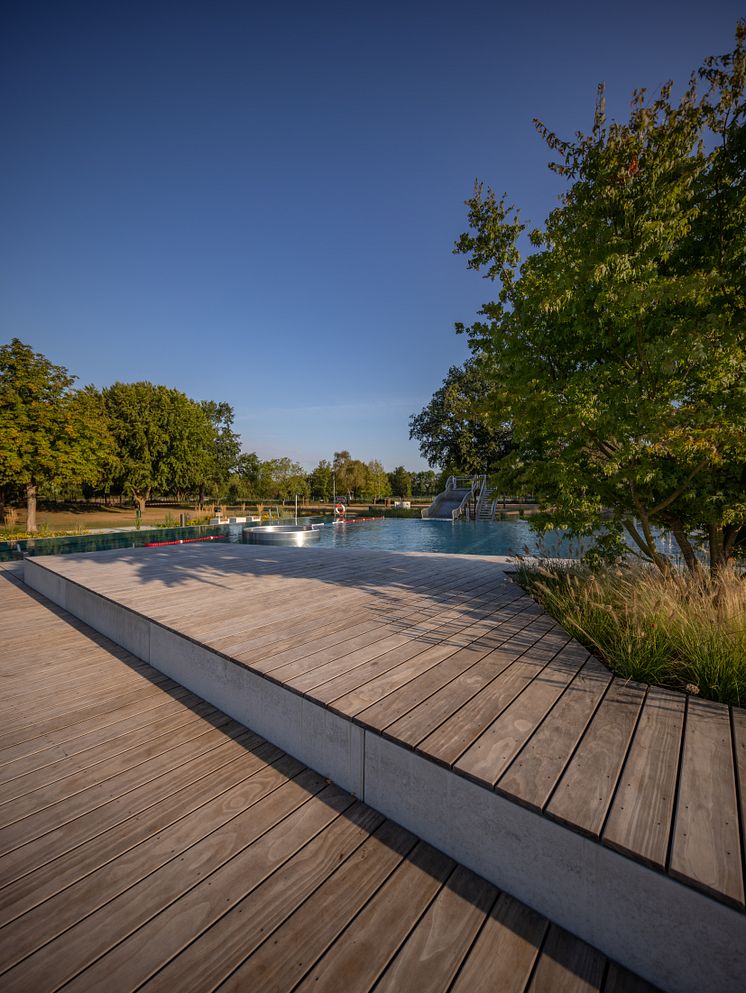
(328, 743)
(671, 934)
(51, 585)
(126, 628)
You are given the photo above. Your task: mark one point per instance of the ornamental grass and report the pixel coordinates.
(678, 630)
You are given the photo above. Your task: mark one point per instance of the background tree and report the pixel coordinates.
(617, 349)
(401, 482)
(378, 480)
(351, 474)
(224, 450)
(49, 433)
(320, 481)
(425, 483)
(458, 428)
(248, 469)
(164, 439)
(286, 479)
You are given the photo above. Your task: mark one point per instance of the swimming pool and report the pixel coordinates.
(392, 534)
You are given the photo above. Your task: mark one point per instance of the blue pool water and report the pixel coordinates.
(463, 537)
(471, 538)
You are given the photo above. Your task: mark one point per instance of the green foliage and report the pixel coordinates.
(377, 484)
(351, 475)
(282, 479)
(222, 457)
(401, 482)
(672, 630)
(50, 434)
(401, 512)
(320, 481)
(165, 441)
(457, 428)
(618, 348)
(425, 483)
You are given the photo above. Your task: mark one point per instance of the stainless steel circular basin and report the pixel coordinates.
(282, 534)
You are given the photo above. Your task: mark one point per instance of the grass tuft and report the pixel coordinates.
(678, 630)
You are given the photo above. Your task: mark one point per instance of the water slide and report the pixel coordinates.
(454, 500)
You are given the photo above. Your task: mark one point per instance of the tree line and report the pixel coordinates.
(608, 376)
(141, 440)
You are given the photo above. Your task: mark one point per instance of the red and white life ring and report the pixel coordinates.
(340, 509)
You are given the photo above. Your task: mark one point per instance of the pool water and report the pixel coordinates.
(459, 537)
(392, 534)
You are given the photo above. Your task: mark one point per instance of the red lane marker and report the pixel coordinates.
(183, 541)
(358, 520)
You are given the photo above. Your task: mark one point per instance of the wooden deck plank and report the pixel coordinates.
(585, 791)
(619, 980)
(641, 814)
(534, 773)
(402, 696)
(24, 890)
(706, 845)
(66, 835)
(93, 883)
(69, 808)
(266, 880)
(494, 750)
(119, 765)
(567, 965)
(230, 864)
(432, 955)
(424, 718)
(362, 952)
(96, 947)
(505, 951)
(95, 737)
(99, 755)
(448, 742)
(287, 912)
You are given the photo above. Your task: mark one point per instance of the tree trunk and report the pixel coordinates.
(720, 559)
(139, 500)
(2, 505)
(31, 508)
(202, 496)
(682, 540)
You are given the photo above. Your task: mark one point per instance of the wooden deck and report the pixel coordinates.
(446, 655)
(149, 842)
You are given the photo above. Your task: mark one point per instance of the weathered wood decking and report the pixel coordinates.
(149, 842)
(446, 655)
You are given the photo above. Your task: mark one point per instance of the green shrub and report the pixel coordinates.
(677, 630)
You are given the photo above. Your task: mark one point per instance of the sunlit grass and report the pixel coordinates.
(677, 630)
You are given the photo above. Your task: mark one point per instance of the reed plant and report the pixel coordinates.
(681, 630)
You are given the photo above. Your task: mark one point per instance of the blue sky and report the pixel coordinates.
(257, 203)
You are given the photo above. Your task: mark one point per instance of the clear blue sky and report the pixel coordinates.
(257, 202)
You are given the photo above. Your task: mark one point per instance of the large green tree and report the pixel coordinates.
(617, 348)
(224, 451)
(401, 482)
(351, 475)
(50, 433)
(457, 429)
(283, 479)
(320, 481)
(165, 441)
(377, 483)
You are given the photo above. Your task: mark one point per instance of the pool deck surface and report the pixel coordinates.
(433, 688)
(150, 842)
(448, 656)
